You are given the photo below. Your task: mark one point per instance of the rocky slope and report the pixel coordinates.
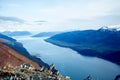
(17, 64)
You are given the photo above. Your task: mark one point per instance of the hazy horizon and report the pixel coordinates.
(58, 15)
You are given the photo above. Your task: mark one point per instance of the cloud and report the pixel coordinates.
(13, 26)
(115, 26)
(13, 19)
(61, 15)
(40, 22)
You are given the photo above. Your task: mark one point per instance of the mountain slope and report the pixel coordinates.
(102, 43)
(10, 56)
(18, 47)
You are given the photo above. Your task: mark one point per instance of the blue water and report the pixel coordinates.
(69, 62)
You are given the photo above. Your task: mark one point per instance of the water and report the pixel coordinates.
(69, 62)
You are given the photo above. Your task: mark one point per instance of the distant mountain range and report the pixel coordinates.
(16, 33)
(45, 34)
(103, 43)
(13, 52)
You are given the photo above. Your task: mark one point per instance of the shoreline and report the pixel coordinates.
(81, 52)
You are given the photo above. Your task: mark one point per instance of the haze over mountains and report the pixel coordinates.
(16, 33)
(103, 43)
(46, 34)
(81, 19)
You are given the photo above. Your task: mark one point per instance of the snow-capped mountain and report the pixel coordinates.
(111, 28)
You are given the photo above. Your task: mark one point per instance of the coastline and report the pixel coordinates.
(85, 52)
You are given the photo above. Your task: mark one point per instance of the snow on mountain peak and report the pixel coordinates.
(111, 28)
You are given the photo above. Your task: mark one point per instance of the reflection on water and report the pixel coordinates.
(69, 62)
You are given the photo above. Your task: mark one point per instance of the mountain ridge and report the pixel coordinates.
(45, 34)
(11, 57)
(18, 47)
(16, 33)
(96, 43)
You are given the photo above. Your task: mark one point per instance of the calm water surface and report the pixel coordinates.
(69, 62)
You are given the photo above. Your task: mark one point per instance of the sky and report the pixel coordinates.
(58, 15)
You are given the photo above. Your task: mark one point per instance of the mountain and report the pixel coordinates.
(103, 43)
(16, 63)
(16, 33)
(11, 57)
(45, 34)
(10, 47)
